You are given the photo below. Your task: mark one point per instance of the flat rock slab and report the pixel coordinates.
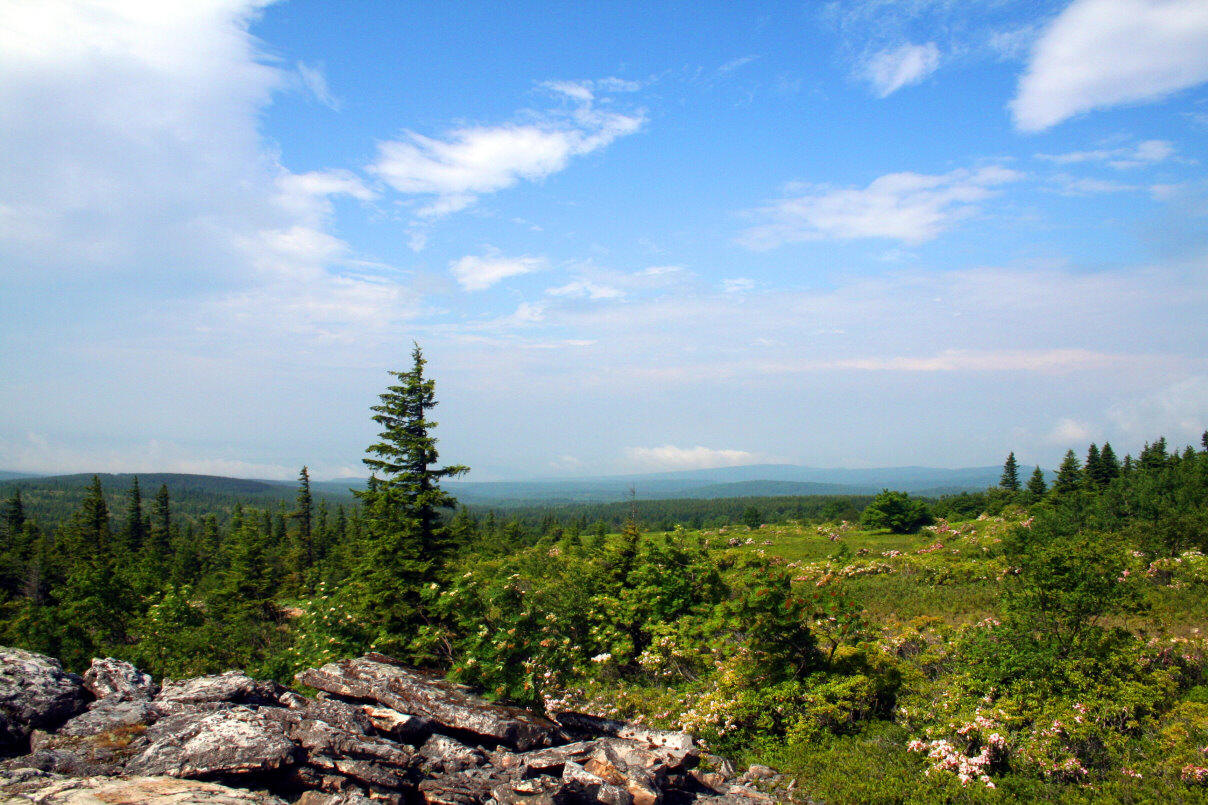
(226, 742)
(234, 687)
(380, 679)
(35, 693)
(55, 790)
(594, 726)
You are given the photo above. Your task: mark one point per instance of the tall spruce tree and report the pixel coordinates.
(134, 529)
(402, 463)
(303, 515)
(1069, 475)
(405, 544)
(1092, 470)
(1010, 474)
(1109, 465)
(1036, 484)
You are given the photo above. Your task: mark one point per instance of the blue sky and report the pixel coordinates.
(629, 237)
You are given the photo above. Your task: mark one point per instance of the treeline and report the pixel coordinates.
(665, 515)
(51, 501)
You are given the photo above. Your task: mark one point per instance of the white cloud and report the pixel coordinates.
(1070, 432)
(890, 70)
(476, 273)
(453, 171)
(1102, 53)
(1149, 152)
(173, 191)
(586, 289)
(315, 82)
(1178, 411)
(910, 207)
(965, 360)
(670, 457)
(738, 285)
(1075, 186)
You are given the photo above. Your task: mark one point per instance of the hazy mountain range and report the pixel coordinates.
(725, 482)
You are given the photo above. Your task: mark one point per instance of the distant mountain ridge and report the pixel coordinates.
(756, 480)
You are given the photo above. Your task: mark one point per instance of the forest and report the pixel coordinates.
(1039, 640)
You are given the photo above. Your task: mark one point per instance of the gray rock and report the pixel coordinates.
(51, 789)
(588, 787)
(233, 687)
(542, 790)
(225, 742)
(35, 693)
(444, 755)
(594, 726)
(112, 714)
(110, 678)
(403, 726)
(377, 678)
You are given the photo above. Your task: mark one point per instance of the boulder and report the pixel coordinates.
(51, 789)
(443, 755)
(236, 741)
(35, 693)
(233, 687)
(112, 714)
(451, 708)
(109, 678)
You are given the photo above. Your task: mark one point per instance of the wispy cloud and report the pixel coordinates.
(909, 207)
(1102, 53)
(670, 457)
(454, 170)
(1148, 152)
(890, 70)
(477, 273)
(314, 79)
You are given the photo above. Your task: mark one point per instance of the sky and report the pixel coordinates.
(629, 237)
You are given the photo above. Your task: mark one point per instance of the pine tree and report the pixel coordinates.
(1036, 484)
(303, 513)
(1010, 474)
(1092, 470)
(405, 544)
(407, 485)
(13, 516)
(1109, 465)
(134, 530)
(95, 599)
(1069, 475)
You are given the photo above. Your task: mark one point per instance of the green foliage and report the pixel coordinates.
(896, 512)
(1010, 474)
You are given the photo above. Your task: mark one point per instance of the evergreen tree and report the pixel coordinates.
(1109, 465)
(1010, 474)
(406, 483)
(405, 544)
(161, 525)
(1092, 470)
(1036, 484)
(134, 530)
(304, 548)
(1069, 475)
(13, 515)
(94, 600)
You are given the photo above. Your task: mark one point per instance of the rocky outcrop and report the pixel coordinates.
(35, 693)
(54, 789)
(376, 732)
(376, 678)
